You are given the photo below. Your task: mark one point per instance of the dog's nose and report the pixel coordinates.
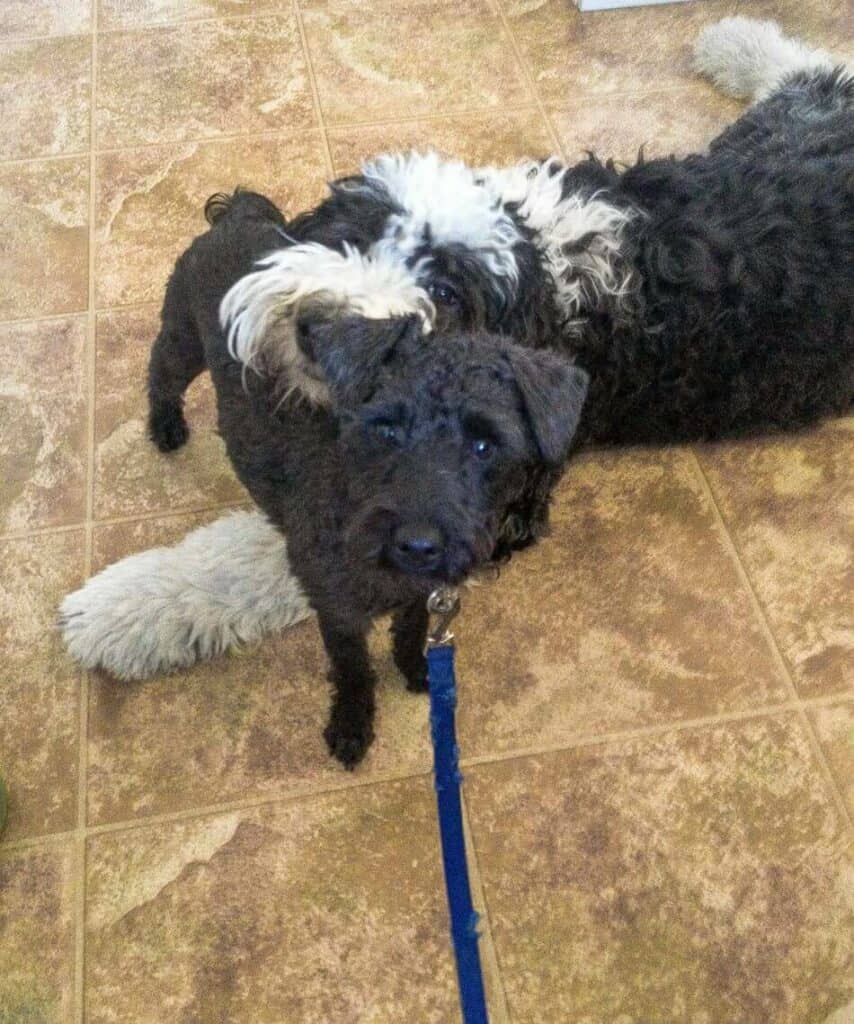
(417, 547)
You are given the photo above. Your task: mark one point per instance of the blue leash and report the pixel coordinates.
(445, 603)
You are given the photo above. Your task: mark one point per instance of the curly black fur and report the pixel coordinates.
(738, 316)
(406, 485)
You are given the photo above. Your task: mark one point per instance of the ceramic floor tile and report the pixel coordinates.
(697, 878)
(825, 23)
(386, 60)
(40, 692)
(150, 202)
(131, 475)
(120, 14)
(834, 726)
(37, 936)
(243, 725)
(43, 17)
(44, 91)
(582, 55)
(789, 504)
(330, 910)
(630, 613)
(202, 80)
(43, 404)
(44, 259)
(617, 126)
(489, 139)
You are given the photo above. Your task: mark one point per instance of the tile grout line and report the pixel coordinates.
(628, 735)
(514, 754)
(771, 640)
(83, 709)
(528, 74)
(499, 1012)
(315, 93)
(134, 517)
(143, 26)
(296, 794)
(250, 803)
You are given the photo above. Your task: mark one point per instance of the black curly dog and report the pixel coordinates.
(407, 484)
(730, 307)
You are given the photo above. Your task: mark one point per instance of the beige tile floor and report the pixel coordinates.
(657, 704)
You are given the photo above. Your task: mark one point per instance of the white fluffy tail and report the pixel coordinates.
(222, 586)
(748, 59)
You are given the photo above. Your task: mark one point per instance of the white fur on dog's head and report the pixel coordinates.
(442, 202)
(579, 237)
(261, 311)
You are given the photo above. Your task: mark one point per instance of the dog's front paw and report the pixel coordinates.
(349, 734)
(167, 427)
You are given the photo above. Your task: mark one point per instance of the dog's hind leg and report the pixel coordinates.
(409, 630)
(177, 358)
(351, 723)
(749, 59)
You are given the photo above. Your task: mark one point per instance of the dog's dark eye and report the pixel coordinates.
(482, 448)
(443, 293)
(385, 430)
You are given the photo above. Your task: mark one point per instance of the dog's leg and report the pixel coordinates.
(351, 722)
(177, 358)
(749, 59)
(409, 630)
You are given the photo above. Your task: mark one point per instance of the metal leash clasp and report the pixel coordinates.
(442, 606)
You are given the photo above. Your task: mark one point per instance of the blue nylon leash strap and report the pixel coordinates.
(447, 779)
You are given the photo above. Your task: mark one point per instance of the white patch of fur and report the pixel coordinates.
(443, 203)
(260, 311)
(582, 276)
(222, 586)
(749, 59)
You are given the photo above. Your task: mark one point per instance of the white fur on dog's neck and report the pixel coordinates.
(260, 311)
(582, 276)
(443, 203)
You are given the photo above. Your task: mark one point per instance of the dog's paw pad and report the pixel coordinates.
(168, 429)
(348, 742)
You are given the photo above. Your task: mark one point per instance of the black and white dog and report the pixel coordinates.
(706, 297)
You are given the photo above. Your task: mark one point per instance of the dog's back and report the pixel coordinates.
(244, 227)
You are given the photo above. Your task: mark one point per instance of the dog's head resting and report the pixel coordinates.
(527, 251)
(441, 437)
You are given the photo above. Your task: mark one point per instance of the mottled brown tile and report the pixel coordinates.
(628, 614)
(43, 17)
(675, 122)
(789, 503)
(44, 93)
(825, 23)
(629, 51)
(43, 407)
(834, 726)
(40, 691)
(485, 139)
(387, 60)
(121, 14)
(44, 259)
(330, 910)
(131, 475)
(37, 935)
(702, 876)
(202, 80)
(243, 725)
(150, 202)
(112, 541)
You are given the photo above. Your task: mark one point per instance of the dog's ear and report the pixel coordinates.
(352, 350)
(553, 392)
